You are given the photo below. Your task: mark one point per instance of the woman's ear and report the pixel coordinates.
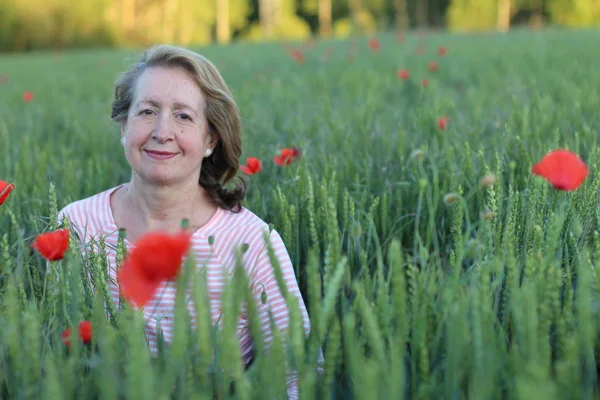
(212, 140)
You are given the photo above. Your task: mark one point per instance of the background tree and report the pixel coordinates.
(42, 24)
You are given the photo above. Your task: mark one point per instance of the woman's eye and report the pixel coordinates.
(185, 117)
(146, 112)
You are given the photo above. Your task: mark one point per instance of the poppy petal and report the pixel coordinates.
(66, 337)
(159, 255)
(52, 245)
(85, 331)
(254, 164)
(281, 161)
(246, 170)
(563, 169)
(156, 257)
(285, 157)
(5, 189)
(136, 287)
(442, 123)
(403, 74)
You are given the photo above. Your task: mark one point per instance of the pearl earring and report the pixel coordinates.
(123, 141)
(208, 152)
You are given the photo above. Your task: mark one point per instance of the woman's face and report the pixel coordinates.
(166, 134)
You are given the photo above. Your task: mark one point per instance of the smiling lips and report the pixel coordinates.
(160, 155)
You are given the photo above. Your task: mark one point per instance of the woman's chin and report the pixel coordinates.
(158, 178)
(162, 175)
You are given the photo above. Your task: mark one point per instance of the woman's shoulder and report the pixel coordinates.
(243, 229)
(247, 218)
(89, 212)
(243, 226)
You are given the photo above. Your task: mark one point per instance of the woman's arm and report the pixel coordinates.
(263, 278)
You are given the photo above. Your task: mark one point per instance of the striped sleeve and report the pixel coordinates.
(264, 276)
(70, 215)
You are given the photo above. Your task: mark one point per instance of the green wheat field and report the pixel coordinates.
(421, 281)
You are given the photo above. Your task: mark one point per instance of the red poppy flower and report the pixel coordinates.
(156, 258)
(374, 44)
(433, 66)
(84, 330)
(298, 56)
(442, 51)
(403, 74)
(425, 83)
(5, 189)
(285, 157)
(296, 153)
(442, 123)
(27, 96)
(3, 79)
(253, 166)
(52, 245)
(562, 168)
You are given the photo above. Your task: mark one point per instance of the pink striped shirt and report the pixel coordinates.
(92, 217)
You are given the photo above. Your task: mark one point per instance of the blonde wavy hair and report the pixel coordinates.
(222, 115)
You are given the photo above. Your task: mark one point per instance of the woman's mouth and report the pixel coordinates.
(160, 155)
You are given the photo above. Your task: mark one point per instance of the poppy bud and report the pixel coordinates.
(185, 223)
(451, 198)
(488, 215)
(417, 154)
(487, 181)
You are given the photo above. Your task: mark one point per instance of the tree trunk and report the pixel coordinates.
(276, 12)
(325, 17)
(503, 21)
(265, 11)
(223, 29)
(128, 14)
(355, 6)
(422, 10)
(401, 15)
(185, 32)
(537, 14)
(170, 6)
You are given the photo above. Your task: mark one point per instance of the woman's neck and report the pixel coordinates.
(164, 207)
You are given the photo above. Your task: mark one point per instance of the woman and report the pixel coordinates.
(180, 131)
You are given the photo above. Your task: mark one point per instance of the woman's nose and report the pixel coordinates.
(163, 129)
